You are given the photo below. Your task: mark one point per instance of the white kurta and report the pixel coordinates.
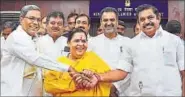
(111, 51)
(19, 51)
(157, 63)
(2, 44)
(46, 45)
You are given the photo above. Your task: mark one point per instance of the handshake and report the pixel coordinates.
(86, 79)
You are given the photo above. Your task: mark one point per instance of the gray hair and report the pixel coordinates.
(27, 8)
(8, 24)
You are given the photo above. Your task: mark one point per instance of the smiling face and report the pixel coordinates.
(149, 22)
(31, 21)
(109, 22)
(82, 22)
(78, 45)
(55, 27)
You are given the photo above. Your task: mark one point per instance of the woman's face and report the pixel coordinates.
(78, 45)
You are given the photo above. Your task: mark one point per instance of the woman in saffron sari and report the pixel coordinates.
(62, 84)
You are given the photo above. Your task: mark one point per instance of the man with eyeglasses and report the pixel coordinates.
(20, 50)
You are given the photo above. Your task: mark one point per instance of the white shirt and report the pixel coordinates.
(157, 63)
(50, 48)
(111, 51)
(20, 51)
(2, 44)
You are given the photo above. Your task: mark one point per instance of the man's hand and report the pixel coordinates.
(71, 69)
(94, 79)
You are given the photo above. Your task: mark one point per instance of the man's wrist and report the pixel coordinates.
(98, 77)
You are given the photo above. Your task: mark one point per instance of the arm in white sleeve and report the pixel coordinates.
(125, 63)
(180, 55)
(125, 60)
(25, 50)
(90, 45)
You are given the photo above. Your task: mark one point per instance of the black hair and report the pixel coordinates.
(72, 14)
(75, 30)
(82, 15)
(121, 23)
(108, 9)
(134, 27)
(142, 7)
(173, 26)
(55, 14)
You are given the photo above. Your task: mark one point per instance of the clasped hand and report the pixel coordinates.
(85, 80)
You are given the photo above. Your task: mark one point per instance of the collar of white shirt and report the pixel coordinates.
(157, 33)
(20, 29)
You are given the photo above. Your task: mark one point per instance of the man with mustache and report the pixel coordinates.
(83, 21)
(157, 57)
(53, 43)
(110, 46)
(20, 50)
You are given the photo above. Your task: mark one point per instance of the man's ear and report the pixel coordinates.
(159, 17)
(89, 26)
(20, 19)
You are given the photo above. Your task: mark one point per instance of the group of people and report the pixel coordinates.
(47, 59)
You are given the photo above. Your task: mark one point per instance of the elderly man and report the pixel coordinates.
(20, 51)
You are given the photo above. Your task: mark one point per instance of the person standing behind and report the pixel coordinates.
(20, 50)
(83, 21)
(121, 28)
(157, 58)
(110, 47)
(71, 23)
(53, 43)
(7, 29)
(174, 27)
(42, 30)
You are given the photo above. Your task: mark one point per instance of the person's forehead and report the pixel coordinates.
(79, 35)
(82, 18)
(72, 19)
(146, 13)
(57, 19)
(108, 15)
(34, 13)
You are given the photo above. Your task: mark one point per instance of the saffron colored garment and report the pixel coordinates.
(61, 84)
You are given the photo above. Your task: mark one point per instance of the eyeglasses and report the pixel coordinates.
(34, 19)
